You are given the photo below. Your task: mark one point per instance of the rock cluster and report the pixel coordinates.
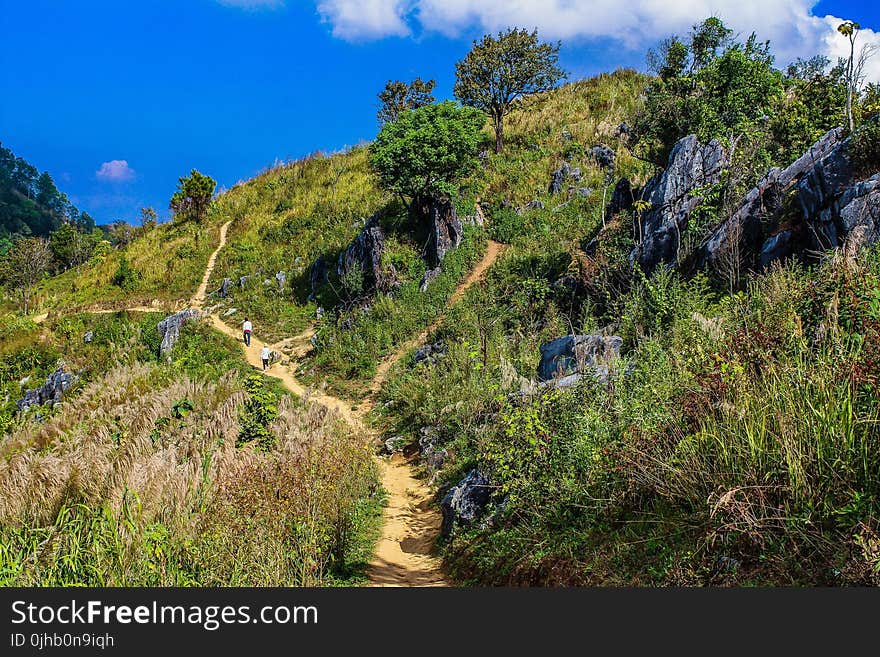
(169, 328)
(56, 385)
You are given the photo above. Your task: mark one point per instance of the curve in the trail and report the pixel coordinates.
(199, 297)
(493, 251)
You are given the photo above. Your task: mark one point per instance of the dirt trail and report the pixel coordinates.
(199, 297)
(410, 523)
(493, 251)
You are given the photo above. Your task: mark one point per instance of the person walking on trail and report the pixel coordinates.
(264, 355)
(248, 328)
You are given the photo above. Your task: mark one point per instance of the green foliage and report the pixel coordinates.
(500, 70)
(865, 149)
(193, 196)
(398, 97)
(24, 265)
(259, 411)
(710, 86)
(125, 277)
(426, 151)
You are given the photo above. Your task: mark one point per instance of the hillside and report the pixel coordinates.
(638, 346)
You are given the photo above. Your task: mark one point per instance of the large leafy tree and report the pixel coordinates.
(193, 197)
(398, 96)
(499, 70)
(427, 150)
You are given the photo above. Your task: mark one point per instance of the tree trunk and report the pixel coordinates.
(499, 134)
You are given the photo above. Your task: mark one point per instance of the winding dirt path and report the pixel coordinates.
(493, 251)
(199, 297)
(411, 524)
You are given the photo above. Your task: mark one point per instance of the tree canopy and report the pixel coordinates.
(193, 196)
(499, 70)
(427, 150)
(398, 96)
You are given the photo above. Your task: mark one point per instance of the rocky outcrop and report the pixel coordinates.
(56, 385)
(169, 328)
(821, 200)
(577, 354)
(366, 252)
(561, 176)
(673, 195)
(622, 198)
(224, 287)
(281, 277)
(445, 230)
(429, 353)
(318, 276)
(605, 156)
(465, 501)
(432, 454)
(429, 276)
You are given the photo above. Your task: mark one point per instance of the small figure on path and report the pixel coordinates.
(247, 327)
(264, 355)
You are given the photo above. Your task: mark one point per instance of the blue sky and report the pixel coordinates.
(117, 100)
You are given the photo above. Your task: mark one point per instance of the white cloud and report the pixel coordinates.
(355, 20)
(637, 24)
(252, 5)
(115, 171)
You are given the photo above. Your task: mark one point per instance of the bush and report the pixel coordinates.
(125, 277)
(866, 148)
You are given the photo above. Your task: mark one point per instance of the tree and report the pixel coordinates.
(71, 247)
(193, 196)
(850, 30)
(148, 218)
(24, 266)
(498, 71)
(398, 96)
(427, 150)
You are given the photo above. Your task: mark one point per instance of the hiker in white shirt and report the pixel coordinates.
(264, 354)
(247, 327)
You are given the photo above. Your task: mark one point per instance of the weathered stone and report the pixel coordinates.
(743, 233)
(169, 328)
(558, 177)
(229, 312)
(429, 276)
(584, 192)
(622, 198)
(429, 353)
(577, 354)
(88, 337)
(673, 195)
(535, 204)
(224, 287)
(366, 252)
(465, 501)
(52, 390)
(445, 230)
(281, 277)
(394, 444)
(604, 155)
(776, 247)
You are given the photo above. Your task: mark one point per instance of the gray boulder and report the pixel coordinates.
(604, 155)
(465, 501)
(429, 276)
(673, 195)
(429, 353)
(558, 178)
(576, 354)
(88, 337)
(445, 230)
(169, 328)
(366, 252)
(56, 385)
(224, 287)
(281, 277)
(743, 233)
(622, 198)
